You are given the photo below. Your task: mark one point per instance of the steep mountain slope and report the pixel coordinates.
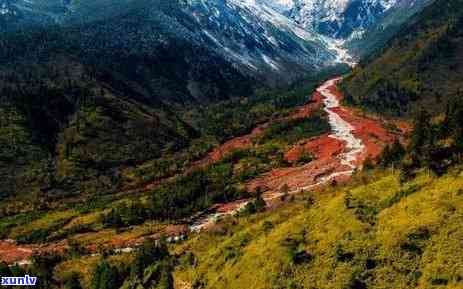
(259, 39)
(129, 64)
(28, 13)
(255, 38)
(339, 18)
(63, 128)
(420, 66)
(88, 97)
(267, 39)
(360, 25)
(379, 234)
(385, 27)
(342, 19)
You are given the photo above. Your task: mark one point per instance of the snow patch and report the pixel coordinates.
(270, 62)
(342, 53)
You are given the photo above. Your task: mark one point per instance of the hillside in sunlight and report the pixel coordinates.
(420, 66)
(230, 144)
(377, 232)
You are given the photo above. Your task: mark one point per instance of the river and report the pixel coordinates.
(340, 129)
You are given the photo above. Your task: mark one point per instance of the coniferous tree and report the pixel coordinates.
(423, 139)
(105, 276)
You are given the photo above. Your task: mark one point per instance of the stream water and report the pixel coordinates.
(341, 130)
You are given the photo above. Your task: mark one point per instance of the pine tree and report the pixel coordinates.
(260, 204)
(4, 269)
(105, 276)
(423, 139)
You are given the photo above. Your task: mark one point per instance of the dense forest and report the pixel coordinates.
(73, 136)
(84, 102)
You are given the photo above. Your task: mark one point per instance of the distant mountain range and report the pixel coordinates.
(91, 85)
(271, 39)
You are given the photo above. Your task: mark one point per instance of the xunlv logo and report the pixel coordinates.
(19, 281)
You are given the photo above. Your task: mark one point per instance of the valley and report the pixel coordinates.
(232, 144)
(353, 139)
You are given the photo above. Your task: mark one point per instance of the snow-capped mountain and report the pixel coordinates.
(254, 36)
(334, 18)
(260, 37)
(341, 22)
(305, 32)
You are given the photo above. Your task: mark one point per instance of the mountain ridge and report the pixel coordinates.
(269, 39)
(412, 78)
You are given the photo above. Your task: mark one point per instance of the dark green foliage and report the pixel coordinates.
(17, 150)
(256, 206)
(371, 264)
(357, 284)
(399, 196)
(305, 157)
(291, 131)
(365, 212)
(194, 192)
(105, 276)
(260, 203)
(440, 282)
(67, 131)
(147, 254)
(126, 215)
(416, 242)
(152, 267)
(239, 116)
(420, 66)
(42, 267)
(368, 164)
(77, 103)
(4, 269)
(423, 138)
(36, 236)
(72, 281)
(453, 125)
(268, 226)
(343, 256)
(17, 270)
(295, 246)
(75, 249)
(301, 257)
(437, 145)
(391, 155)
(257, 160)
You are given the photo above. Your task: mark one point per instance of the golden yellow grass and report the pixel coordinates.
(414, 242)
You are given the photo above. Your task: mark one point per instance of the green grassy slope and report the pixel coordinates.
(375, 232)
(372, 234)
(383, 30)
(421, 65)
